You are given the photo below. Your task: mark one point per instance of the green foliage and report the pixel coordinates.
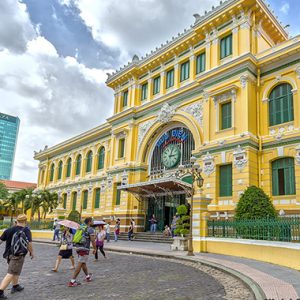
(183, 223)
(255, 204)
(74, 215)
(61, 217)
(4, 226)
(182, 210)
(3, 191)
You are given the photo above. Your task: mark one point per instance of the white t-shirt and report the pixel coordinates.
(107, 228)
(133, 224)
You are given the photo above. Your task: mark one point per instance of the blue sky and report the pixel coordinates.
(54, 56)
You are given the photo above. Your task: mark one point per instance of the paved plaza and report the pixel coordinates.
(119, 277)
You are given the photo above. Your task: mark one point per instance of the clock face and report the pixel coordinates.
(171, 156)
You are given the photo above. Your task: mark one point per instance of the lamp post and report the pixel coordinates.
(195, 171)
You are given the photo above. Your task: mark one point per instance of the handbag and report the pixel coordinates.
(64, 247)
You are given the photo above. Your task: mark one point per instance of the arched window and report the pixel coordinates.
(281, 107)
(69, 167)
(60, 166)
(97, 198)
(283, 177)
(89, 161)
(85, 199)
(101, 156)
(78, 164)
(52, 172)
(64, 198)
(74, 200)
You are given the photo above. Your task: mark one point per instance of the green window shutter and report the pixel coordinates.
(85, 199)
(170, 79)
(97, 198)
(69, 166)
(101, 157)
(74, 201)
(52, 172)
(121, 148)
(60, 165)
(283, 177)
(200, 63)
(281, 105)
(118, 194)
(125, 98)
(156, 85)
(144, 91)
(78, 165)
(226, 115)
(65, 201)
(225, 180)
(89, 162)
(185, 71)
(226, 46)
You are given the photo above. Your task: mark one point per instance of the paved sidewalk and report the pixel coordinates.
(275, 281)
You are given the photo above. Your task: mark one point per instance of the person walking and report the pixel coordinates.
(56, 228)
(117, 229)
(130, 231)
(101, 234)
(66, 249)
(107, 231)
(83, 250)
(18, 244)
(153, 224)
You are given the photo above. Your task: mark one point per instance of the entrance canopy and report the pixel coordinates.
(158, 187)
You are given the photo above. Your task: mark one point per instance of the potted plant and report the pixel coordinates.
(180, 241)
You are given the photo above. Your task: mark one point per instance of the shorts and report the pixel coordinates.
(65, 253)
(83, 257)
(15, 265)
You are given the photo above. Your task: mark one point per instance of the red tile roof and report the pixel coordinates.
(10, 184)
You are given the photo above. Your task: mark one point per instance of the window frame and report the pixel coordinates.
(52, 168)
(156, 85)
(281, 107)
(78, 165)
(101, 158)
(287, 166)
(170, 81)
(201, 62)
(85, 199)
(96, 200)
(121, 142)
(118, 194)
(226, 47)
(125, 99)
(229, 125)
(225, 189)
(60, 169)
(69, 167)
(89, 162)
(144, 91)
(185, 71)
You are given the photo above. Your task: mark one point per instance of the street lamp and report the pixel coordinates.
(195, 171)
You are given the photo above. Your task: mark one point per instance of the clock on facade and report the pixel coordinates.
(171, 156)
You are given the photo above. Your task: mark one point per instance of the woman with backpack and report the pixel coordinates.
(117, 229)
(65, 249)
(100, 236)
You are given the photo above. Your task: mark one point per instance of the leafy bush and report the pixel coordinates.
(4, 226)
(255, 204)
(74, 216)
(61, 217)
(183, 223)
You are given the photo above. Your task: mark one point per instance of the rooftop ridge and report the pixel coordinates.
(136, 61)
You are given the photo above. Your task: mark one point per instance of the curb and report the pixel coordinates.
(250, 283)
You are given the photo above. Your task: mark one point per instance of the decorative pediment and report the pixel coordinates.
(208, 164)
(226, 95)
(239, 158)
(166, 113)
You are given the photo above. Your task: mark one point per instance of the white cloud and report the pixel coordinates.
(138, 26)
(285, 8)
(54, 97)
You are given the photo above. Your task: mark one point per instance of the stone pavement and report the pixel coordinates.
(120, 276)
(276, 282)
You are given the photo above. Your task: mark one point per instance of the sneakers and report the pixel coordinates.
(75, 283)
(2, 296)
(18, 288)
(89, 277)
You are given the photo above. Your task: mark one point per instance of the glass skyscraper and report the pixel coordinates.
(9, 128)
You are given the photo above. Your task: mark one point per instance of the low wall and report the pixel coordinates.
(39, 234)
(280, 253)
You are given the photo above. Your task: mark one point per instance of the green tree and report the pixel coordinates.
(255, 204)
(11, 204)
(3, 191)
(183, 223)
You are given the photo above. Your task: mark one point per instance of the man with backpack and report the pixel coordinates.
(82, 240)
(18, 244)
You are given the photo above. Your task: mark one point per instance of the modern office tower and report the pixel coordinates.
(9, 128)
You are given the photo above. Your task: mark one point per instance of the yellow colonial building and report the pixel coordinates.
(225, 91)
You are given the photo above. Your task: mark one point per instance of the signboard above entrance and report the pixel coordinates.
(178, 135)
